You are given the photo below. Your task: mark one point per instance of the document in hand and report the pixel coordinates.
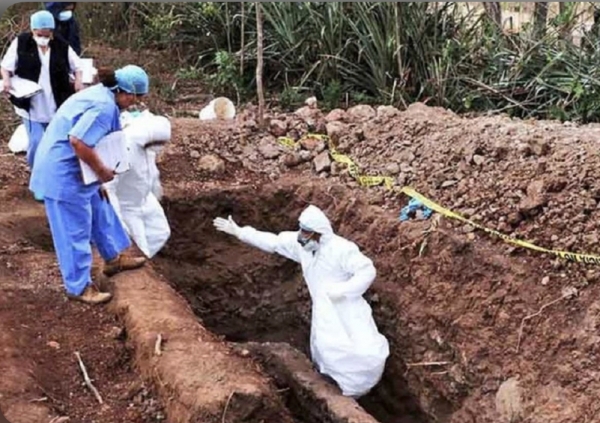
(113, 152)
(88, 71)
(24, 88)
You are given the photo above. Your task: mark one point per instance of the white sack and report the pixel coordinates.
(220, 108)
(19, 141)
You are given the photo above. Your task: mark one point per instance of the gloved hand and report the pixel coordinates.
(227, 225)
(335, 294)
(411, 209)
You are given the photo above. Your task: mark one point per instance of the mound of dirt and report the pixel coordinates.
(453, 296)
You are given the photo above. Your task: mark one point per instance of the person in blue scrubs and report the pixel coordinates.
(79, 214)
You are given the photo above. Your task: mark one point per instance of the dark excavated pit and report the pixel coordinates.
(255, 300)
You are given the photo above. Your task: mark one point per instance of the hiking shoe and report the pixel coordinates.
(92, 295)
(123, 263)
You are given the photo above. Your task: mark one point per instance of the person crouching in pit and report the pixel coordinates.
(345, 343)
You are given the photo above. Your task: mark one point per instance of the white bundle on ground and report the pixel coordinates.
(135, 194)
(220, 108)
(19, 141)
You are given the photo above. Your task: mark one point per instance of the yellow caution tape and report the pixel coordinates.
(572, 257)
(388, 182)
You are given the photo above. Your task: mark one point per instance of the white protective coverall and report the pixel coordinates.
(135, 194)
(345, 343)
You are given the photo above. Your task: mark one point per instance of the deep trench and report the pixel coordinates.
(248, 296)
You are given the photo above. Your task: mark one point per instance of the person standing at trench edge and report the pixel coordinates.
(81, 214)
(41, 57)
(345, 343)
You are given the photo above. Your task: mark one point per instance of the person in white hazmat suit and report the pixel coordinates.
(345, 343)
(135, 194)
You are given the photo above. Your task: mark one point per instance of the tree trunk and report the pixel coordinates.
(259, 66)
(243, 40)
(398, 39)
(596, 25)
(540, 17)
(494, 12)
(567, 21)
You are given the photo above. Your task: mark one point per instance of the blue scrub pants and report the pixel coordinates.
(74, 227)
(35, 132)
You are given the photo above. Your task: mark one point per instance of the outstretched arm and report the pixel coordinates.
(284, 244)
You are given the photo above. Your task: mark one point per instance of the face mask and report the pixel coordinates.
(308, 244)
(42, 41)
(65, 15)
(311, 246)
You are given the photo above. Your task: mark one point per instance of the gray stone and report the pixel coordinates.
(322, 162)
(392, 169)
(269, 150)
(211, 163)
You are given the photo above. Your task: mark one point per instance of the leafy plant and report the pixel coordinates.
(392, 53)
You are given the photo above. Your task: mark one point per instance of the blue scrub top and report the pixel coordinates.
(88, 115)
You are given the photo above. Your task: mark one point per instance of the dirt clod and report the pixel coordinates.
(322, 162)
(211, 164)
(509, 401)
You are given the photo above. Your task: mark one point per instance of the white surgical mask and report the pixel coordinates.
(65, 15)
(311, 246)
(308, 244)
(42, 41)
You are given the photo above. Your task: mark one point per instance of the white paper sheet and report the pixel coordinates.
(24, 88)
(112, 151)
(87, 70)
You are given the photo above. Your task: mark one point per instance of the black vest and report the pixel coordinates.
(29, 67)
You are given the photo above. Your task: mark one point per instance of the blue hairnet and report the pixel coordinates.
(133, 79)
(42, 20)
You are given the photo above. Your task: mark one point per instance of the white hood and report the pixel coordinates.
(313, 218)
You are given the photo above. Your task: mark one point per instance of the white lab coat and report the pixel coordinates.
(135, 194)
(43, 105)
(344, 341)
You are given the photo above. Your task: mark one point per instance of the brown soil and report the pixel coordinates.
(41, 331)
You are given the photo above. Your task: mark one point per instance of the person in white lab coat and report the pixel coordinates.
(135, 194)
(40, 56)
(345, 343)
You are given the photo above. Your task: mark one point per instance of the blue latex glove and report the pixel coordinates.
(412, 208)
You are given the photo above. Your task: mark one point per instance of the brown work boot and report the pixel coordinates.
(91, 295)
(123, 263)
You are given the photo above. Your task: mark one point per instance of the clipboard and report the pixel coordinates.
(113, 152)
